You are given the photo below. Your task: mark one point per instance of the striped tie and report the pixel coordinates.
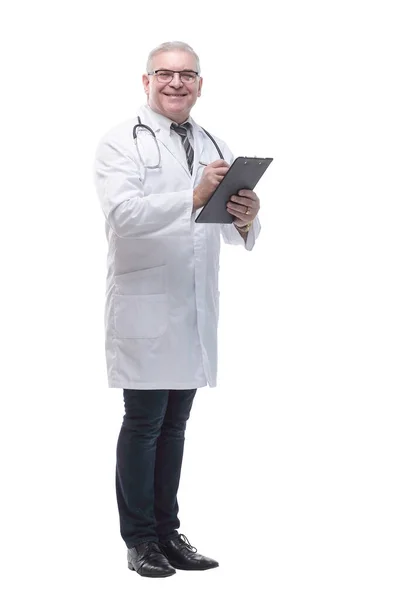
(182, 130)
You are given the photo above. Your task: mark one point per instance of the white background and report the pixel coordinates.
(291, 468)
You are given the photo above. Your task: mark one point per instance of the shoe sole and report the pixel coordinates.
(182, 568)
(132, 568)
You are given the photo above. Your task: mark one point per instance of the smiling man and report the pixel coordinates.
(173, 84)
(153, 174)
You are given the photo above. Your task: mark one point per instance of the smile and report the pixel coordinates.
(176, 95)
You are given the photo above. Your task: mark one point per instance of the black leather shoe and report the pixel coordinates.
(182, 555)
(148, 560)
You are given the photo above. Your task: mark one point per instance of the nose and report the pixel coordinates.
(176, 81)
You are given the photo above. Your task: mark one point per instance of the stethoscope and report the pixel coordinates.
(158, 165)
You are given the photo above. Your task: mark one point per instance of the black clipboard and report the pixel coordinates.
(244, 174)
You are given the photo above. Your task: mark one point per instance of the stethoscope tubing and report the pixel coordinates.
(149, 129)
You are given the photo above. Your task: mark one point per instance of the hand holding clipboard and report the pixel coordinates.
(243, 174)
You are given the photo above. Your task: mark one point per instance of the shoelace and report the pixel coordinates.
(185, 541)
(149, 548)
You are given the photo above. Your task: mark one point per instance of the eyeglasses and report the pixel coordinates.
(165, 76)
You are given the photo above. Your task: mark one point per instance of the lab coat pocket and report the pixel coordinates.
(140, 315)
(141, 303)
(144, 281)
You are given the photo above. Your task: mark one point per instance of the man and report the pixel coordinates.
(153, 175)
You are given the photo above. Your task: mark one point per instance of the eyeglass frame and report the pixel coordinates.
(195, 73)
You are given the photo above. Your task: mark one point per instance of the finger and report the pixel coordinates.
(239, 222)
(240, 200)
(239, 206)
(239, 212)
(247, 203)
(248, 194)
(219, 163)
(220, 170)
(218, 178)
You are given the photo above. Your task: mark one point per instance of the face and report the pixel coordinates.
(176, 98)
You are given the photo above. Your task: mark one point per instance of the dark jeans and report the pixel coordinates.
(149, 459)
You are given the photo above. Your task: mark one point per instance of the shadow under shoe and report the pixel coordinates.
(182, 555)
(148, 561)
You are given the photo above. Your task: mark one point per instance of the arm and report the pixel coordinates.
(127, 210)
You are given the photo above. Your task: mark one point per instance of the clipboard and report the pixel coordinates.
(244, 174)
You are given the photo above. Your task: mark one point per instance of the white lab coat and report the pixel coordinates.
(162, 297)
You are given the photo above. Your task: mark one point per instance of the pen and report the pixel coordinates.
(204, 164)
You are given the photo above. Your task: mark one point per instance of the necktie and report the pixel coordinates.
(182, 131)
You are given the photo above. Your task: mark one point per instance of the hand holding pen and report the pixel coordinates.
(212, 176)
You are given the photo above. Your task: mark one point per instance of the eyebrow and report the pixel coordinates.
(175, 70)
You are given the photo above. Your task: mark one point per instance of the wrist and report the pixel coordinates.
(245, 228)
(197, 201)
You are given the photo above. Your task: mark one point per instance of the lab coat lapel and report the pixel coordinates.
(198, 150)
(164, 137)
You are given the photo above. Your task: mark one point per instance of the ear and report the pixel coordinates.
(200, 86)
(146, 84)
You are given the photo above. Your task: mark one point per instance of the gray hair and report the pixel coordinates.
(166, 47)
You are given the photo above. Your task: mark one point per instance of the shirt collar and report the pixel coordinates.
(163, 122)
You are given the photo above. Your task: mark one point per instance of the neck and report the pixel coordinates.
(177, 118)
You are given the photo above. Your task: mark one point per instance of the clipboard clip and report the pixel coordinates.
(245, 162)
